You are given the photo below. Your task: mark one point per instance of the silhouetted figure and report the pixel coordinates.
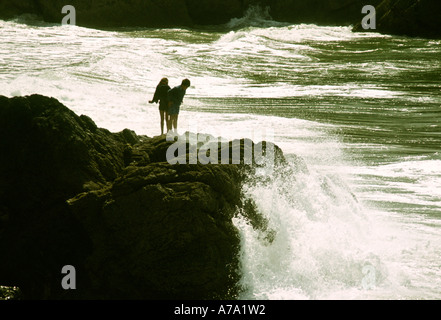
(161, 95)
(175, 98)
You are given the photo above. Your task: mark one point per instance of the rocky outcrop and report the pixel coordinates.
(420, 18)
(322, 12)
(10, 9)
(133, 225)
(208, 12)
(403, 17)
(49, 154)
(132, 13)
(163, 233)
(166, 13)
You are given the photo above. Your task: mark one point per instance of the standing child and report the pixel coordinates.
(161, 96)
(175, 98)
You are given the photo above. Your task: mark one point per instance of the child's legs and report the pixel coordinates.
(162, 114)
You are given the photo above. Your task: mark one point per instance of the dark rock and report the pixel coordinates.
(132, 13)
(163, 232)
(108, 13)
(46, 142)
(10, 9)
(321, 12)
(166, 13)
(49, 154)
(420, 18)
(133, 225)
(209, 12)
(403, 17)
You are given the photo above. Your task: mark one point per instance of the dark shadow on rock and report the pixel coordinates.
(110, 204)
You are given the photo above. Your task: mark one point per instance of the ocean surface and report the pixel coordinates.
(362, 110)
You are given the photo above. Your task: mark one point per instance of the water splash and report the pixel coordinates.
(313, 242)
(255, 16)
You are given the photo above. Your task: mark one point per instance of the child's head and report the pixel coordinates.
(185, 83)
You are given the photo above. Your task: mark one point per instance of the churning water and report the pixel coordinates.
(362, 219)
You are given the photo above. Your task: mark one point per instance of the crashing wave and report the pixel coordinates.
(255, 16)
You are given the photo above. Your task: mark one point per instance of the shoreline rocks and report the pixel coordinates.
(400, 17)
(109, 204)
(408, 18)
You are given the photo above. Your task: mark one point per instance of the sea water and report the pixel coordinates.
(362, 218)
